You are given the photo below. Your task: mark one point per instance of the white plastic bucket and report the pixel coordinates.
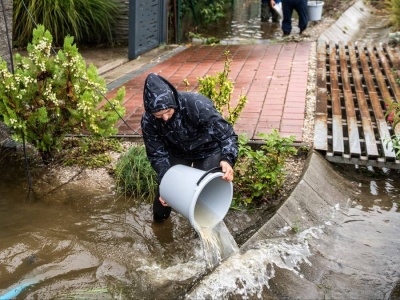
(200, 196)
(314, 10)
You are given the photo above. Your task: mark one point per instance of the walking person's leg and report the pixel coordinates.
(287, 10)
(301, 10)
(265, 12)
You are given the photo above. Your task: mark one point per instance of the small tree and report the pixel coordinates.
(219, 89)
(48, 97)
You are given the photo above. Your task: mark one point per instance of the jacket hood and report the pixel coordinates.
(158, 94)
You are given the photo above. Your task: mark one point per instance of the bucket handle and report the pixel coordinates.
(208, 172)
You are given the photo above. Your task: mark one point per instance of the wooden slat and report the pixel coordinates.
(369, 135)
(321, 113)
(388, 71)
(392, 81)
(394, 58)
(373, 96)
(337, 126)
(380, 79)
(352, 127)
(350, 97)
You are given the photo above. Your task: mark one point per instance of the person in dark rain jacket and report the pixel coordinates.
(300, 6)
(184, 128)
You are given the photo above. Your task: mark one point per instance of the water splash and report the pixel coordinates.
(247, 274)
(217, 243)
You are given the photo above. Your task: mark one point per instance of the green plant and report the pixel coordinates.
(48, 97)
(89, 151)
(135, 175)
(213, 11)
(89, 21)
(259, 172)
(209, 11)
(393, 117)
(219, 88)
(204, 40)
(296, 227)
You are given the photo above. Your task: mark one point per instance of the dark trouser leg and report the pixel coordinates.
(302, 12)
(287, 10)
(274, 13)
(161, 212)
(208, 163)
(265, 12)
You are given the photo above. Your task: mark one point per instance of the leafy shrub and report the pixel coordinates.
(89, 21)
(135, 175)
(219, 89)
(393, 117)
(49, 96)
(259, 173)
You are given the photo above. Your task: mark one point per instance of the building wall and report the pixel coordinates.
(4, 49)
(122, 26)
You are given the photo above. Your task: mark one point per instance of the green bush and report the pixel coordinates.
(49, 96)
(89, 21)
(259, 172)
(135, 175)
(219, 89)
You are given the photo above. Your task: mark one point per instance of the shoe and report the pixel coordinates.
(159, 219)
(286, 33)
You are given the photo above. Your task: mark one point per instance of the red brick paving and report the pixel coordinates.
(273, 77)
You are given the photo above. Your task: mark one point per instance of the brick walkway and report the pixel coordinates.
(273, 77)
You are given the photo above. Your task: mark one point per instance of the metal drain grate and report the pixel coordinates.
(353, 82)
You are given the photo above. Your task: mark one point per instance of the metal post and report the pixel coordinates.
(178, 25)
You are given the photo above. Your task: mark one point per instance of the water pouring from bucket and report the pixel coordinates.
(200, 196)
(204, 198)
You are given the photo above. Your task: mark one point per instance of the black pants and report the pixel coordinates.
(160, 212)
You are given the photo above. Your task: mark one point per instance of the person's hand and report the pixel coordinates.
(163, 203)
(227, 170)
(273, 3)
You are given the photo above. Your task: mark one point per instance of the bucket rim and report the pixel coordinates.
(315, 3)
(198, 190)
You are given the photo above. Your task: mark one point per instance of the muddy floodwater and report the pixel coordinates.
(101, 246)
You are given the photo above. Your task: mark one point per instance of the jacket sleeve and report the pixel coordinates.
(155, 149)
(218, 128)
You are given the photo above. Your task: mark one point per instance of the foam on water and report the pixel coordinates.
(247, 274)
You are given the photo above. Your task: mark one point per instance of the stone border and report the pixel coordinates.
(347, 25)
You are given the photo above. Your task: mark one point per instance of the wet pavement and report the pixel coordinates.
(273, 77)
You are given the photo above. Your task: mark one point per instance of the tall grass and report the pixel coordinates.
(88, 21)
(134, 174)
